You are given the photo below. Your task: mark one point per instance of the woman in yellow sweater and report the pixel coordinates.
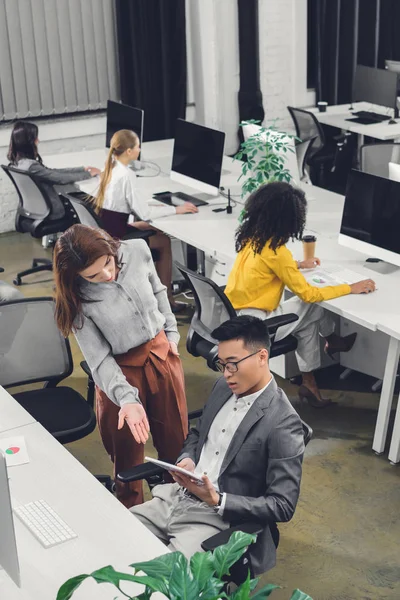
(275, 213)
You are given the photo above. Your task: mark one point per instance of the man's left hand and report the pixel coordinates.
(206, 493)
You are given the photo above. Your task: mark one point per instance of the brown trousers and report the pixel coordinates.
(158, 375)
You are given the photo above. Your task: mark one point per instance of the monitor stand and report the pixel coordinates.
(380, 266)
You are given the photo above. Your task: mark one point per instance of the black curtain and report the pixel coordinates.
(152, 62)
(351, 32)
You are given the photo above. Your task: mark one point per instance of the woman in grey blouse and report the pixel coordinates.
(109, 294)
(23, 153)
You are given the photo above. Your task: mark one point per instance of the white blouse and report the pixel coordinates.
(122, 196)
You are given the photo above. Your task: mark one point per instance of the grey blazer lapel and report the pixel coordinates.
(255, 413)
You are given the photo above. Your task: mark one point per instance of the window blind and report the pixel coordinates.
(56, 56)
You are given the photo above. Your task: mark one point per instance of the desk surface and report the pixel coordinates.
(337, 116)
(107, 532)
(12, 414)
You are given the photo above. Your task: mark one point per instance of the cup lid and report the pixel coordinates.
(309, 238)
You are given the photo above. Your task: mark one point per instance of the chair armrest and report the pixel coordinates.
(85, 368)
(1, 270)
(195, 414)
(223, 536)
(143, 471)
(139, 234)
(274, 322)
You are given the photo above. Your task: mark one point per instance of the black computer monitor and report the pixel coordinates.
(122, 116)
(378, 86)
(197, 157)
(371, 216)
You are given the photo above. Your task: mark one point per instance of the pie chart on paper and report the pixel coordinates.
(12, 450)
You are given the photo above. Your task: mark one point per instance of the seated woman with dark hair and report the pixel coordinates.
(274, 213)
(23, 154)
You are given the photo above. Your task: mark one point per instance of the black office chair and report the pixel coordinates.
(212, 309)
(82, 211)
(322, 153)
(33, 350)
(32, 216)
(375, 158)
(303, 151)
(154, 476)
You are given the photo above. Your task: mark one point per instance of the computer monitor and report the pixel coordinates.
(8, 545)
(122, 116)
(377, 86)
(197, 157)
(291, 163)
(371, 217)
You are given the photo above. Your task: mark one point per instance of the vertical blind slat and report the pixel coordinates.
(56, 56)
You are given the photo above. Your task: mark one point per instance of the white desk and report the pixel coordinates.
(337, 116)
(214, 234)
(107, 532)
(12, 414)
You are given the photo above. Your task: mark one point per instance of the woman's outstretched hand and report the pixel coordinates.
(136, 418)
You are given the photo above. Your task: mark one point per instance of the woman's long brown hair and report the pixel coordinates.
(78, 248)
(120, 142)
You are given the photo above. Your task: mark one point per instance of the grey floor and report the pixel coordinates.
(343, 542)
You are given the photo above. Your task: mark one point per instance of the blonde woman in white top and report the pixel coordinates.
(118, 198)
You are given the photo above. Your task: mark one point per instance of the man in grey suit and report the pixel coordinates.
(249, 447)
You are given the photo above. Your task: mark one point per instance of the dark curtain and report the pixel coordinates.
(152, 62)
(351, 32)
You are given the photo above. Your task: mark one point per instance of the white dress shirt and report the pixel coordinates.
(122, 196)
(220, 435)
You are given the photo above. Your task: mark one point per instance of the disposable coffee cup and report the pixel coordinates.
(322, 106)
(309, 242)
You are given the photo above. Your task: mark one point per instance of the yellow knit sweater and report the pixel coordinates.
(258, 280)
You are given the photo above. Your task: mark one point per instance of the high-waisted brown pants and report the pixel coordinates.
(158, 375)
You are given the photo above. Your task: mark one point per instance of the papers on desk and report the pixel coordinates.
(15, 450)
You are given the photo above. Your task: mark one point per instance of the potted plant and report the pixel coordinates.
(266, 151)
(179, 579)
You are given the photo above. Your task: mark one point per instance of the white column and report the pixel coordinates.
(215, 62)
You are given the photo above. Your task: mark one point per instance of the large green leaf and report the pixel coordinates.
(110, 575)
(212, 589)
(157, 567)
(225, 556)
(182, 586)
(244, 590)
(299, 595)
(265, 592)
(68, 588)
(202, 567)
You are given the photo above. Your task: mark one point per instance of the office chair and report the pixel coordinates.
(33, 350)
(82, 212)
(154, 476)
(322, 154)
(303, 150)
(34, 210)
(212, 308)
(375, 158)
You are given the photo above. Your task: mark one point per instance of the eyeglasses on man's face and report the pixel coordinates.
(232, 366)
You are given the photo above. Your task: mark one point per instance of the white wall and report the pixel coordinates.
(283, 58)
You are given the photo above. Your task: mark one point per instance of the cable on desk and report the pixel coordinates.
(151, 164)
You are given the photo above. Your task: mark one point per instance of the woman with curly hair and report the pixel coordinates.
(264, 266)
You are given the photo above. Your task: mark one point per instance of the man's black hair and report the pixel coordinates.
(274, 213)
(253, 332)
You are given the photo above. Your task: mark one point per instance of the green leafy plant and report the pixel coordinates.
(266, 153)
(179, 579)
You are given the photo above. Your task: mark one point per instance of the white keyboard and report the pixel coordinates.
(44, 523)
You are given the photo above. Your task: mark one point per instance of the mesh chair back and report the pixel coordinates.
(33, 200)
(82, 211)
(307, 128)
(375, 158)
(212, 306)
(31, 346)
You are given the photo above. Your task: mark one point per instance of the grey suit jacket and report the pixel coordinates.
(54, 181)
(261, 472)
